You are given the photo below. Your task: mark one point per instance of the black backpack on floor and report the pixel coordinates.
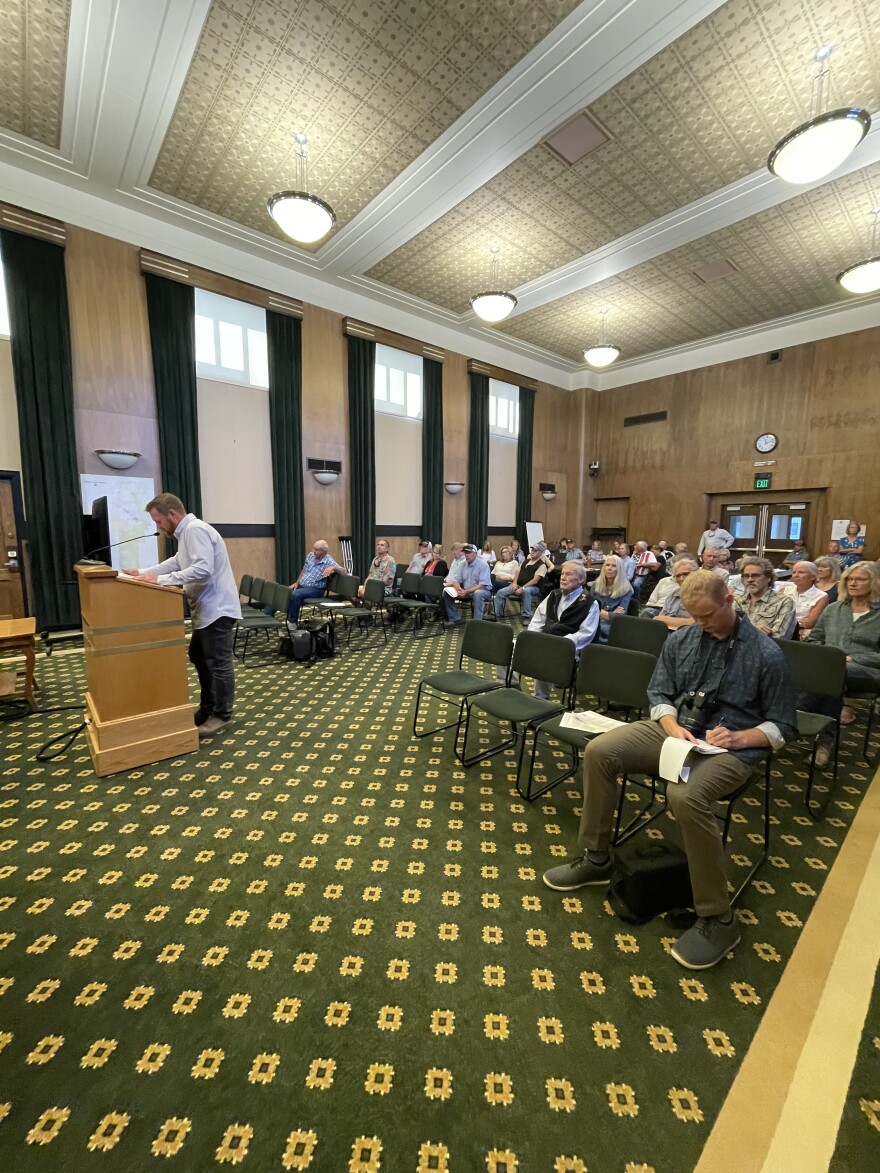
(650, 876)
(298, 645)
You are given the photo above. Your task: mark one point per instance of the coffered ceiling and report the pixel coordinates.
(170, 123)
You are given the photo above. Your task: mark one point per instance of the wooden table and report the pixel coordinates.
(17, 635)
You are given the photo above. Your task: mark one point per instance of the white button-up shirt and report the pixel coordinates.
(201, 567)
(587, 630)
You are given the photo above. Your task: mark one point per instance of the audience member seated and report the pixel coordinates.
(809, 601)
(752, 710)
(664, 588)
(629, 563)
(312, 580)
(456, 561)
(673, 612)
(645, 564)
(853, 625)
(828, 574)
(723, 561)
(612, 590)
(573, 553)
(487, 554)
(505, 569)
(525, 585)
(663, 551)
(517, 551)
(798, 553)
(471, 582)
(714, 538)
(436, 564)
(382, 567)
(771, 611)
(709, 558)
(596, 554)
(834, 551)
(570, 611)
(681, 548)
(420, 559)
(852, 546)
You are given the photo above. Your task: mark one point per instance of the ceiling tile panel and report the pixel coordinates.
(371, 84)
(699, 115)
(33, 58)
(788, 257)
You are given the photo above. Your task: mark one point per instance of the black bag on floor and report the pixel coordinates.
(324, 639)
(650, 876)
(298, 644)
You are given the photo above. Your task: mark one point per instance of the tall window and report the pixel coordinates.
(231, 340)
(398, 389)
(503, 408)
(398, 439)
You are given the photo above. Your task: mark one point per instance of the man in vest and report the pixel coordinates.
(570, 611)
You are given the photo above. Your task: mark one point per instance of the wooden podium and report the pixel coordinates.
(137, 700)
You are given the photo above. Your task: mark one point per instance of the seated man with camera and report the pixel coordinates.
(721, 680)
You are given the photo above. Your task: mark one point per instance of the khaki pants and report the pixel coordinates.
(635, 749)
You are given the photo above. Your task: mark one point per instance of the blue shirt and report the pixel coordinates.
(755, 689)
(313, 570)
(201, 567)
(853, 551)
(472, 574)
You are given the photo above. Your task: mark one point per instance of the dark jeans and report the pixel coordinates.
(210, 652)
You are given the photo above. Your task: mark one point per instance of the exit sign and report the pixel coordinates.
(763, 479)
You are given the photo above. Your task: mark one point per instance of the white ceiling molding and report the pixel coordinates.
(728, 205)
(795, 330)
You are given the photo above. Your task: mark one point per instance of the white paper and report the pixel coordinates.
(451, 591)
(590, 721)
(674, 752)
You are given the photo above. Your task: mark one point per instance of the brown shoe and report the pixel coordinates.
(823, 755)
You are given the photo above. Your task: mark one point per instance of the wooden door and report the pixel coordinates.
(13, 595)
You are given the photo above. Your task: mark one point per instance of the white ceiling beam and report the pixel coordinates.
(593, 49)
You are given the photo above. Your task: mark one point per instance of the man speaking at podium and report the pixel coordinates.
(201, 567)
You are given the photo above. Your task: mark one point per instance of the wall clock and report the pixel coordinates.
(766, 442)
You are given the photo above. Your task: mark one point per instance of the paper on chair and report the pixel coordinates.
(589, 721)
(451, 591)
(673, 754)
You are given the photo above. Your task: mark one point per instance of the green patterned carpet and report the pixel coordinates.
(317, 943)
(858, 1141)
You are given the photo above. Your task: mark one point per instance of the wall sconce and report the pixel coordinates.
(453, 487)
(548, 492)
(325, 472)
(117, 457)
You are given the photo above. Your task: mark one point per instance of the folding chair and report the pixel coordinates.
(255, 620)
(482, 642)
(541, 657)
(821, 671)
(618, 676)
(638, 635)
(370, 617)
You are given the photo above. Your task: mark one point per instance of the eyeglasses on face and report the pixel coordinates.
(758, 574)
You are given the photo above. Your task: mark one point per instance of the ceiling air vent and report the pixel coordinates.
(575, 139)
(714, 271)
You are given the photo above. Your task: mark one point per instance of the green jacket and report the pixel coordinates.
(858, 638)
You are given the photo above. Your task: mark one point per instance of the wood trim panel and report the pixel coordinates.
(500, 373)
(31, 224)
(217, 283)
(388, 338)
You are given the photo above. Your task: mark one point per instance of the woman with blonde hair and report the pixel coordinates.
(827, 575)
(853, 625)
(613, 591)
(810, 600)
(504, 570)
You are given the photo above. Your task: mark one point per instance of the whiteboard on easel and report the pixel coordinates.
(127, 518)
(534, 532)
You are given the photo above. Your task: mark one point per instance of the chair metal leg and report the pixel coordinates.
(437, 728)
(753, 870)
(529, 794)
(638, 821)
(868, 727)
(488, 753)
(816, 810)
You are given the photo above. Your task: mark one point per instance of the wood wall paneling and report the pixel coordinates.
(325, 424)
(254, 556)
(456, 427)
(114, 394)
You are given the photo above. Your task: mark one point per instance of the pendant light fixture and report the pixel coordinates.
(864, 277)
(601, 353)
(300, 215)
(819, 146)
(494, 305)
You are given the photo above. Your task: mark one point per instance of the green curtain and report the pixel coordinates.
(478, 460)
(40, 341)
(432, 452)
(361, 427)
(285, 419)
(524, 462)
(171, 307)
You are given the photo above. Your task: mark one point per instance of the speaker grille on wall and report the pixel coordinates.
(650, 417)
(774, 356)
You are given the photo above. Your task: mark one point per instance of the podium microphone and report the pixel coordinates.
(88, 560)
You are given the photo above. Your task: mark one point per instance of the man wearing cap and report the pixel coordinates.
(420, 559)
(525, 585)
(469, 580)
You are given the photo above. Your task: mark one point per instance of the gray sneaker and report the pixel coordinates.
(706, 943)
(211, 726)
(577, 873)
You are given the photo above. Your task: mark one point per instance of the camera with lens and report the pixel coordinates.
(695, 710)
